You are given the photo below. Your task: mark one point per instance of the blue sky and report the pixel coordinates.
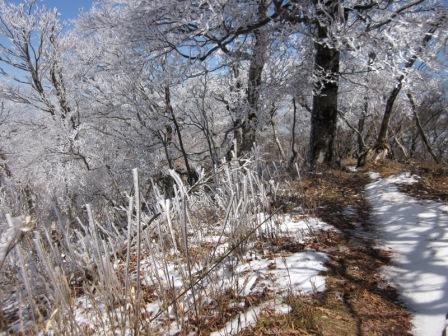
(69, 9)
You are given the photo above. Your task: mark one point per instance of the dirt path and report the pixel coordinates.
(358, 301)
(416, 230)
(354, 270)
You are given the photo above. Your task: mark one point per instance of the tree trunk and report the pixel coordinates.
(208, 134)
(191, 174)
(4, 165)
(237, 122)
(325, 96)
(360, 139)
(420, 128)
(381, 142)
(381, 147)
(365, 112)
(274, 134)
(257, 62)
(402, 148)
(293, 157)
(413, 144)
(166, 139)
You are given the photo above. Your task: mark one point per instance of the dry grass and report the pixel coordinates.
(223, 308)
(175, 247)
(307, 317)
(433, 184)
(357, 300)
(387, 168)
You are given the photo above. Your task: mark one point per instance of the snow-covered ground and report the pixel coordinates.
(249, 318)
(417, 232)
(252, 273)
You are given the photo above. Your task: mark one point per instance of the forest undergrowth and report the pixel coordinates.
(183, 266)
(211, 253)
(357, 300)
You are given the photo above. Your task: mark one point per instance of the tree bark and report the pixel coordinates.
(257, 62)
(325, 97)
(191, 174)
(420, 129)
(362, 120)
(274, 134)
(360, 139)
(293, 157)
(4, 164)
(381, 143)
(381, 148)
(165, 139)
(402, 147)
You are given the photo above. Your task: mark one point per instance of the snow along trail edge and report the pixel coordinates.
(416, 232)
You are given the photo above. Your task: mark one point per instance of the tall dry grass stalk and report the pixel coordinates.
(159, 271)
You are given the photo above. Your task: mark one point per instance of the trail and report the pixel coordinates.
(416, 232)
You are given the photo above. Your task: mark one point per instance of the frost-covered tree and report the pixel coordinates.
(176, 85)
(52, 149)
(45, 115)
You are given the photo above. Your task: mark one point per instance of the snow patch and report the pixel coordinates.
(349, 211)
(252, 273)
(288, 226)
(373, 175)
(298, 272)
(249, 318)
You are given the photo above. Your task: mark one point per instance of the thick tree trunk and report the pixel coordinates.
(325, 98)
(257, 62)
